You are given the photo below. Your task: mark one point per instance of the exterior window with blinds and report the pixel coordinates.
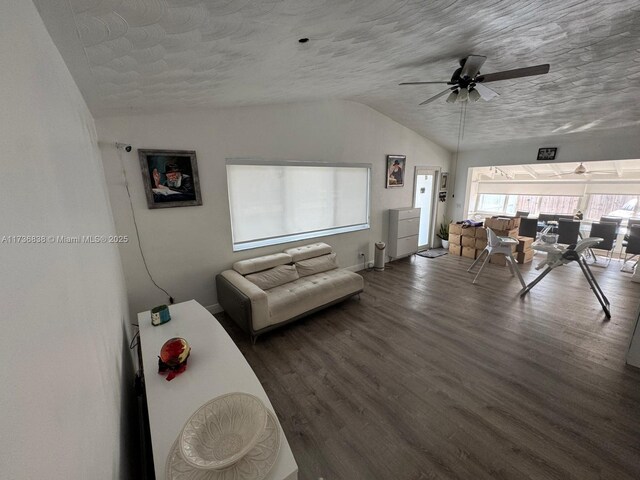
(278, 202)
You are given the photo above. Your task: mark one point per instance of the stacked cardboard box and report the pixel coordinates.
(455, 239)
(469, 242)
(503, 227)
(524, 252)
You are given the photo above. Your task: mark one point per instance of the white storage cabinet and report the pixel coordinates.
(404, 225)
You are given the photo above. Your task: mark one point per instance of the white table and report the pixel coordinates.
(215, 367)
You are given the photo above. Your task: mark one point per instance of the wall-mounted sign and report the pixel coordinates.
(547, 153)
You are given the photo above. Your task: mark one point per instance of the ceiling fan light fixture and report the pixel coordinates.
(474, 95)
(463, 96)
(453, 96)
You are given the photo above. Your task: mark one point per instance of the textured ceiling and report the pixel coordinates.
(131, 56)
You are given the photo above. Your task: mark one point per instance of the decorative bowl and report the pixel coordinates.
(175, 351)
(222, 431)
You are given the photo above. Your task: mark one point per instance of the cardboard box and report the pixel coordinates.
(455, 249)
(469, 242)
(525, 257)
(498, 259)
(469, 252)
(506, 233)
(524, 244)
(469, 232)
(481, 243)
(455, 229)
(481, 232)
(503, 223)
(455, 239)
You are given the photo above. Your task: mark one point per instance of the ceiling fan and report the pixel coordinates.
(582, 170)
(467, 83)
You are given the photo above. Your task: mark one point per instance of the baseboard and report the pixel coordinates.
(360, 266)
(215, 308)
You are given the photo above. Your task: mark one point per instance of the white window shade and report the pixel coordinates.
(278, 202)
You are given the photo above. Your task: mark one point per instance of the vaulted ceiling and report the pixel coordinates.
(134, 56)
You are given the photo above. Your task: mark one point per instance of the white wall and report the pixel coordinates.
(64, 362)
(580, 147)
(186, 247)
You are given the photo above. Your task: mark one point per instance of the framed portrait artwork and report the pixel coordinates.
(170, 178)
(395, 170)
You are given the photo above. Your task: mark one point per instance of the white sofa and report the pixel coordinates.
(265, 292)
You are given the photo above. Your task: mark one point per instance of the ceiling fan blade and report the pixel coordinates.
(424, 83)
(472, 66)
(563, 174)
(517, 73)
(435, 97)
(485, 92)
(602, 172)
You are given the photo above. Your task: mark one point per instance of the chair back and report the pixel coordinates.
(547, 217)
(565, 217)
(616, 220)
(528, 227)
(633, 244)
(607, 231)
(492, 239)
(568, 231)
(632, 222)
(520, 213)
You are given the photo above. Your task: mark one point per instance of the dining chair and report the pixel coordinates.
(606, 231)
(616, 220)
(503, 245)
(543, 218)
(528, 227)
(547, 217)
(568, 231)
(633, 245)
(630, 224)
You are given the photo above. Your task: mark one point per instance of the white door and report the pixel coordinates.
(424, 197)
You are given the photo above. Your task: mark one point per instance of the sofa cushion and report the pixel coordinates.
(306, 293)
(315, 265)
(252, 265)
(308, 251)
(274, 277)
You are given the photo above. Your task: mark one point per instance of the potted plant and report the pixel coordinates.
(443, 234)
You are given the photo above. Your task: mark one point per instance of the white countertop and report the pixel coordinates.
(215, 367)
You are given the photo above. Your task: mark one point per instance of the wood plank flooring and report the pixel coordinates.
(430, 377)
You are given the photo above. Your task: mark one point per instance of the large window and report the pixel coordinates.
(625, 206)
(534, 204)
(278, 202)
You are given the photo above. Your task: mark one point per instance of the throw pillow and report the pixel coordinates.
(317, 265)
(274, 277)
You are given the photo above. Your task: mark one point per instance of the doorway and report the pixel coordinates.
(424, 197)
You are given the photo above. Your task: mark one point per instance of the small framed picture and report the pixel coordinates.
(547, 153)
(170, 178)
(395, 170)
(444, 181)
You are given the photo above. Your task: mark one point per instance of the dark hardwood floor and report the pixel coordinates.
(430, 377)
